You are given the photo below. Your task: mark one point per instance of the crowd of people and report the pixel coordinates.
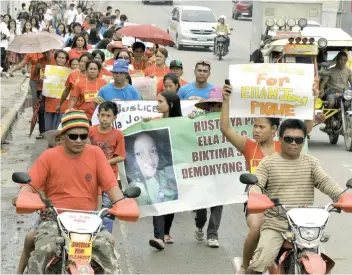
(94, 51)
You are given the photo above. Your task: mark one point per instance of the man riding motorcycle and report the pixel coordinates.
(70, 175)
(340, 79)
(222, 27)
(289, 176)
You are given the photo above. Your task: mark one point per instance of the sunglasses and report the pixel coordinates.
(297, 140)
(76, 136)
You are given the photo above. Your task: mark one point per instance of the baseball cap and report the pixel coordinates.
(120, 66)
(176, 63)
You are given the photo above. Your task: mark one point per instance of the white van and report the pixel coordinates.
(192, 26)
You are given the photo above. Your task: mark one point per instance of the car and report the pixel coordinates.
(192, 26)
(242, 8)
(145, 2)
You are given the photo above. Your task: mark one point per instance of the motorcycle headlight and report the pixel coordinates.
(347, 95)
(281, 22)
(270, 22)
(291, 22)
(309, 233)
(75, 237)
(322, 43)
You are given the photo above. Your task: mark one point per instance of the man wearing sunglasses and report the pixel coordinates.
(70, 176)
(289, 176)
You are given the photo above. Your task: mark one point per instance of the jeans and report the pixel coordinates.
(52, 121)
(3, 59)
(41, 113)
(214, 220)
(108, 221)
(331, 98)
(162, 225)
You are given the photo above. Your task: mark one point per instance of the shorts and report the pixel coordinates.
(36, 223)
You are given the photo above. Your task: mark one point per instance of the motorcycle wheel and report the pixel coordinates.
(333, 138)
(219, 49)
(290, 267)
(348, 134)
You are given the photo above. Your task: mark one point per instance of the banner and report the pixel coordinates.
(182, 164)
(272, 90)
(54, 81)
(146, 87)
(132, 112)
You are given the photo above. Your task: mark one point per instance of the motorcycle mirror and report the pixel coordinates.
(213, 28)
(324, 64)
(349, 183)
(132, 192)
(248, 178)
(21, 177)
(231, 29)
(324, 73)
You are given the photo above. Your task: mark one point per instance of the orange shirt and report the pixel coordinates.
(44, 62)
(159, 72)
(85, 25)
(112, 143)
(74, 53)
(253, 155)
(73, 78)
(86, 91)
(72, 182)
(161, 88)
(89, 47)
(33, 58)
(138, 67)
(109, 62)
(104, 71)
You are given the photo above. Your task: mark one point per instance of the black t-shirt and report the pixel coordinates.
(257, 56)
(103, 44)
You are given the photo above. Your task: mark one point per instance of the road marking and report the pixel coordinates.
(348, 166)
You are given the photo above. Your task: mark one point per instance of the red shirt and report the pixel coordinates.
(75, 53)
(161, 88)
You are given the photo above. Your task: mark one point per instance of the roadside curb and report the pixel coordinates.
(11, 115)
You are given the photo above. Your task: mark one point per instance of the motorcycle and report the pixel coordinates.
(77, 228)
(301, 252)
(339, 118)
(221, 44)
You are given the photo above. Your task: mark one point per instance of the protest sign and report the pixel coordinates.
(182, 164)
(132, 112)
(146, 87)
(54, 81)
(272, 90)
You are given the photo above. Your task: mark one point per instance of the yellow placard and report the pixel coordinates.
(89, 96)
(55, 79)
(301, 49)
(80, 252)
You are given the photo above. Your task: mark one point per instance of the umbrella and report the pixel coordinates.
(35, 115)
(148, 33)
(36, 42)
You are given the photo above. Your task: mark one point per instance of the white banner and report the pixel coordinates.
(272, 90)
(54, 81)
(132, 112)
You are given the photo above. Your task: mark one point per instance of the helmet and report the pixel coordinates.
(222, 17)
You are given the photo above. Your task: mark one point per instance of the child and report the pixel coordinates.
(112, 142)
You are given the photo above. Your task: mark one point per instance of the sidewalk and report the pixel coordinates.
(14, 91)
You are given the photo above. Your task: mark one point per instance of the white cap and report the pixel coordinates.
(222, 17)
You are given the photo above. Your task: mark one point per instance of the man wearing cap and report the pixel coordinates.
(176, 68)
(199, 88)
(70, 176)
(119, 89)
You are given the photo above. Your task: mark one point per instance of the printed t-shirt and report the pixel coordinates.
(161, 88)
(110, 92)
(72, 182)
(74, 53)
(190, 89)
(159, 72)
(86, 91)
(253, 155)
(112, 144)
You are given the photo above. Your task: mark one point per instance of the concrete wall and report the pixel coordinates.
(330, 12)
(346, 16)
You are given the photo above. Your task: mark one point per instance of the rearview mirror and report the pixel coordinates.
(324, 73)
(325, 64)
(132, 192)
(248, 179)
(349, 183)
(213, 28)
(231, 29)
(21, 177)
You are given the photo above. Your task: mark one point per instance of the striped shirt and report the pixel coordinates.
(293, 182)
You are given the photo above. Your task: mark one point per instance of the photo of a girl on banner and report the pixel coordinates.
(149, 165)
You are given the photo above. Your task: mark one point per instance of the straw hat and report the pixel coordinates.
(115, 45)
(215, 96)
(51, 137)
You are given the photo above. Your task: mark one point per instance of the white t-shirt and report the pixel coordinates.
(80, 18)
(70, 15)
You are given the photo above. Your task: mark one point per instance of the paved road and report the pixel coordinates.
(186, 255)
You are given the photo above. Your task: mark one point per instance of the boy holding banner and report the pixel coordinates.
(112, 142)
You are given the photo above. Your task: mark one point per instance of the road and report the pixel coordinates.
(186, 255)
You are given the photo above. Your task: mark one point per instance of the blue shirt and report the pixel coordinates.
(191, 89)
(109, 92)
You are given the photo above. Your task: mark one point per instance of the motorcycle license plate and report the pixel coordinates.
(245, 13)
(202, 39)
(80, 252)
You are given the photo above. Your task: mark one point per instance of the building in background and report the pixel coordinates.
(338, 14)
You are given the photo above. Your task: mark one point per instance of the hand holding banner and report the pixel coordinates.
(272, 90)
(54, 81)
